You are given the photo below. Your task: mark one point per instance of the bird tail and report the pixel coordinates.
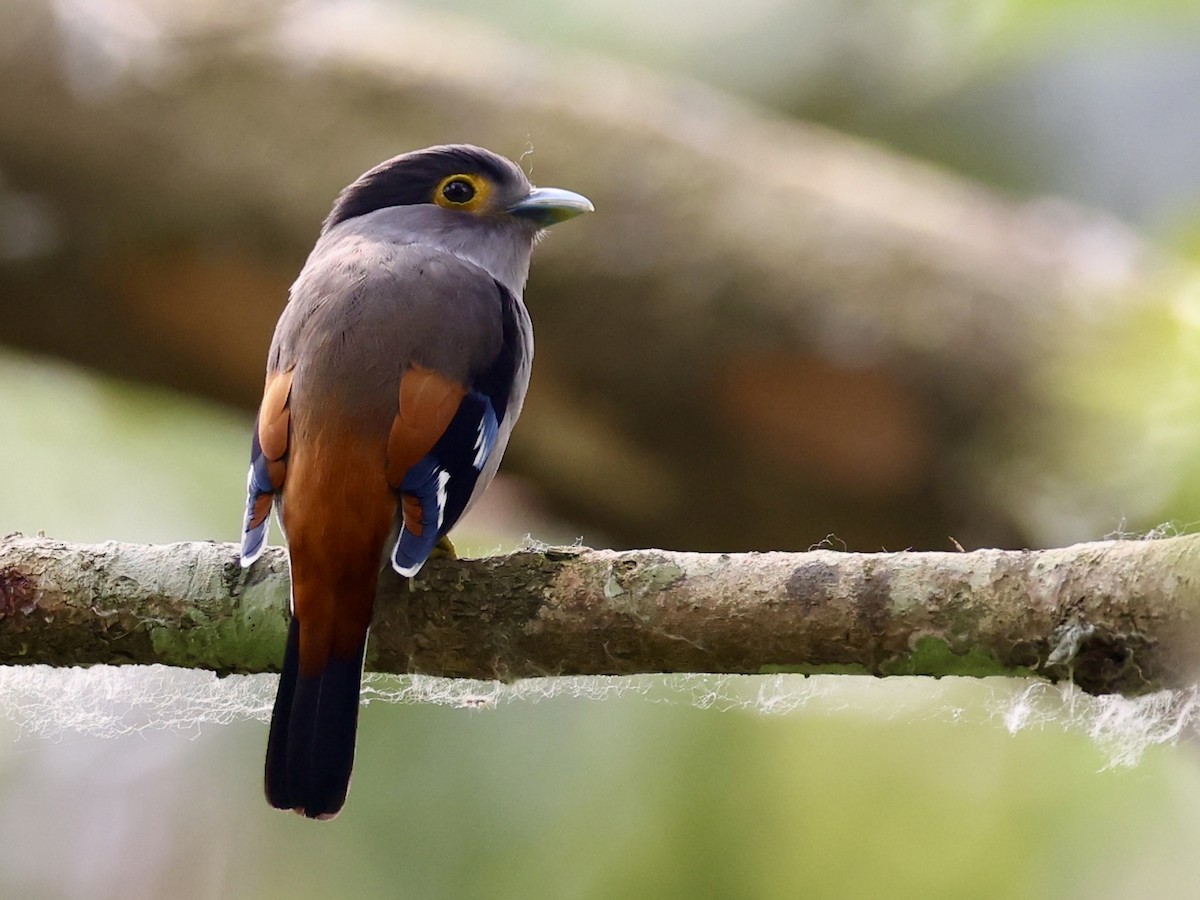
(310, 749)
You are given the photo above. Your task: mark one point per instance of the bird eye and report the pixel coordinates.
(458, 191)
(464, 191)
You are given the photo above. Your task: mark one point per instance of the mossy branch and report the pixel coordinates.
(1116, 616)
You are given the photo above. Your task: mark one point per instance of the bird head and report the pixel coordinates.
(463, 198)
(461, 179)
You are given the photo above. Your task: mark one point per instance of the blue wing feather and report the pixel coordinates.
(258, 486)
(442, 481)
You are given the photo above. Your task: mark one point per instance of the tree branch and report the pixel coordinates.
(1116, 616)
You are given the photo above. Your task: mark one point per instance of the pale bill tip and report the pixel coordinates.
(549, 206)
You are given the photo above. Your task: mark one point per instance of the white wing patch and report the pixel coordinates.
(485, 440)
(443, 479)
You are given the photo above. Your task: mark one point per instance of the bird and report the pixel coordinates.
(397, 370)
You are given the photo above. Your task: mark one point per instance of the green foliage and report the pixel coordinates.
(635, 799)
(1131, 390)
(93, 459)
(933, 656)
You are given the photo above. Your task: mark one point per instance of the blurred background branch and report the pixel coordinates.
(764, 309)
(1115, 617)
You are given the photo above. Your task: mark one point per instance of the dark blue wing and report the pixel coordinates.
(268, 463)
(260, 494)
(443, 481)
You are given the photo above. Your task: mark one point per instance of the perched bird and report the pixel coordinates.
(396, 373)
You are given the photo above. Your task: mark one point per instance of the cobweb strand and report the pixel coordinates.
(113, 701)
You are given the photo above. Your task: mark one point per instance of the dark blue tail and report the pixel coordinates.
(310, 750)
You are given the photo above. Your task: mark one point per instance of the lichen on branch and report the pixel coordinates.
(1114, 616)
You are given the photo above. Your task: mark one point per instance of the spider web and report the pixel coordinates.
(112, 701)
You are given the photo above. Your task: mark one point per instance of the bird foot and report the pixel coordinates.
(444, 549)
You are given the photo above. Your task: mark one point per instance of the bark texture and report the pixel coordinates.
(1116, 616)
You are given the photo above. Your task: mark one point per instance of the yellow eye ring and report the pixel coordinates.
(462, 191)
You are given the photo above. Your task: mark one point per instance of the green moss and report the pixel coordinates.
(933, 656)
(636, 592)
(661, 575)
(250, 640)
(829, 669)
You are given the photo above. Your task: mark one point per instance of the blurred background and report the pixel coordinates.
(871, 275)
